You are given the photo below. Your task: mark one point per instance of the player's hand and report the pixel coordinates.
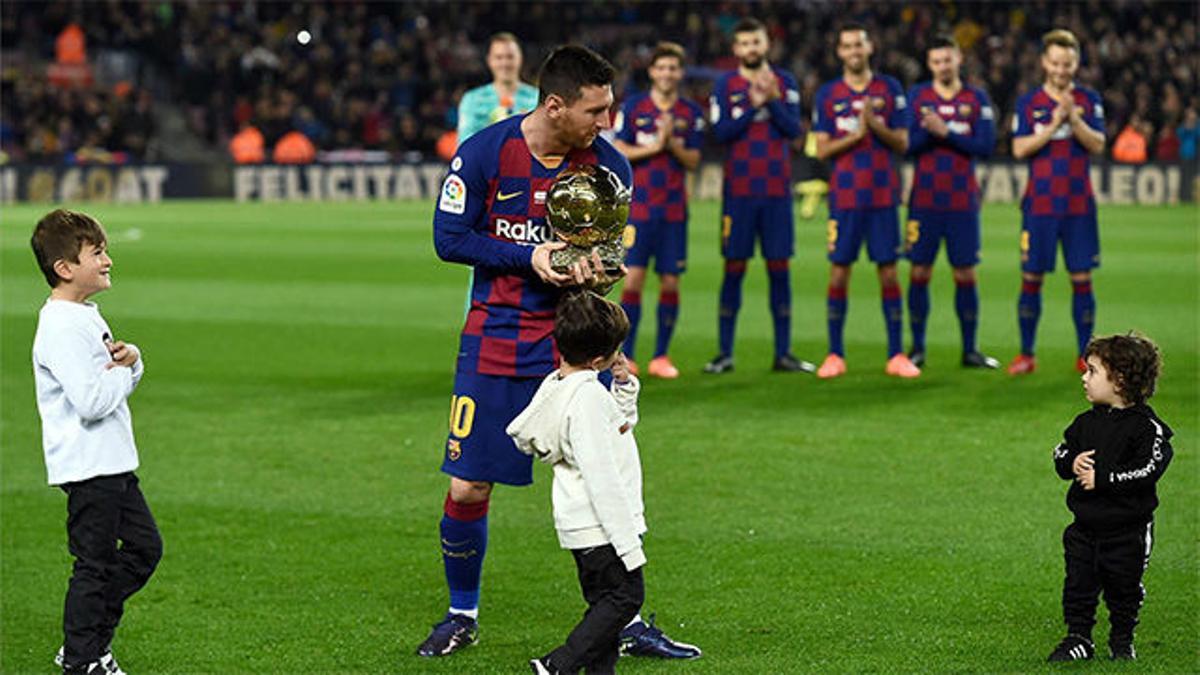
(934, 124)
(758, 97)
(1084, 461)
(1088, 479)
(769, 84)
(588, 271)
(1061, 113)
(541, 263)
(864, 124)
(620, 369)
(122, 354)
(666, 130)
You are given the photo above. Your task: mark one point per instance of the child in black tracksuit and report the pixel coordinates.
(1114, 454)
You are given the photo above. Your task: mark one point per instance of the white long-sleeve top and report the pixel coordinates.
(586, 433)
(87, 430)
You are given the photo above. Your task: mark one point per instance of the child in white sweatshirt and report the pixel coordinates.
(83, 378)
(586, 432)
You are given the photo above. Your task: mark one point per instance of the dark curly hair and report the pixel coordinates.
(1133, 363)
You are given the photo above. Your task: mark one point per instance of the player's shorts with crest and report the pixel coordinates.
(657, 237)
(478, 449)
(925, 230)
(1040, 235)
(768, 219)
(848, 229)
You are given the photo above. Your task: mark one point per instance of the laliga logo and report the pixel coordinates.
(521, 231)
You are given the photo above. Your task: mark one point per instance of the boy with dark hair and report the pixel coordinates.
(585, 432)
(1114, 454)
(83, 379)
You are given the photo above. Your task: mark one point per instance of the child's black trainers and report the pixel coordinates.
(1073, 648)
(1122, 652)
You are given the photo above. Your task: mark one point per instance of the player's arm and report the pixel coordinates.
(1026, 141)
(1152, 453)
(591, 435)
(1087, 126)
(686, 150)
(982, 139)
(725, 128)
(625, 138)
(893, 131)
(785, 110)
(919, 138)
(829, 147)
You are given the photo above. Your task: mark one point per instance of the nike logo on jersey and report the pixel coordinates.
(500, 196)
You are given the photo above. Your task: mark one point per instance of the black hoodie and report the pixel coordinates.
(1133, 448)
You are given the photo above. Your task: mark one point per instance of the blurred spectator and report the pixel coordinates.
(1130, 146)
(247, 146)
(1166, 148)
(1189, 135)
(294, 148)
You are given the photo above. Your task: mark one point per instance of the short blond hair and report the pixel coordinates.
(1060, 37)
(666, 49)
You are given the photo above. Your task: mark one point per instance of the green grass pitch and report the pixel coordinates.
(299, 363)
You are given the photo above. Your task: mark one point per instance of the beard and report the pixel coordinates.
(753, 64)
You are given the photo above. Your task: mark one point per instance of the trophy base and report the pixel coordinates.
(612, 257)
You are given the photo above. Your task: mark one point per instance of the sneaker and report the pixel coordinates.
(833, 366)
(661, 367)
(107, 660)
(975, 360)
(93, 668)
(1023, 364)
(900, 366)
(1081, 365)
(455, 632)
(633, 367)
(646, 639)
(790, 364)
(1073, 648)
(721, 363)
(543, 666)
(917, 356)
(1123, 652)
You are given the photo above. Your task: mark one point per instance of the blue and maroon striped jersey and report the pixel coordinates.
(944, 177)
(1059, 181)
(660, 180)
(758, 162)
(864, 177)
(491, 213)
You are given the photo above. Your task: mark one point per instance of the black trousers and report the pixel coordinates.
(1112, 564)
(116, 546)
(614, 596)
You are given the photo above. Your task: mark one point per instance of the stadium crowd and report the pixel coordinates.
(387, 76)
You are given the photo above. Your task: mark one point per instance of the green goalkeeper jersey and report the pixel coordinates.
(481, 107)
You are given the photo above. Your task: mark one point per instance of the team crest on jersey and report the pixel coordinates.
(1039, 113)
(964, 110)
(839, 107)
(453, 450)
(877, 102)
(644, 121)
(454, 195)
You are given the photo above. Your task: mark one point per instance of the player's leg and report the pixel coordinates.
(737, 245)
(1081, 250)
(478, 453)
(1081, 591)
(922, 236)
(883, 247)
(670, 261)
(1122, 564)
(93, 519)
(138, 556)
(1039, 243)
(844, 237)
(639, 242)
(777, 225)
(614, 595)
(966, 306)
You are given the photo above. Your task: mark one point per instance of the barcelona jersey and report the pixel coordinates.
(1059, 182)
(864, 177)
(944, 177)
(758, 162)
(491, 213)
(659, 181)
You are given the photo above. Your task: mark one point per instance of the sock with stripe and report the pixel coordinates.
(668, 314)
(731, 302)
(918, 311)
(780, 281)
(836, 306)
(893, 317)
(1083, 311)
(1029, 310)
(464, 543)
(966, 305)
(631, 302)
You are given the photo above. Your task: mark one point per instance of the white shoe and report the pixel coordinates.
(107, 661)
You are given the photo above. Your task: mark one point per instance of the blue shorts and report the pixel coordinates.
(848, 228)
(925, 230)
(661, 239)
(478, 449)
(770, 219)
(1039, 242)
